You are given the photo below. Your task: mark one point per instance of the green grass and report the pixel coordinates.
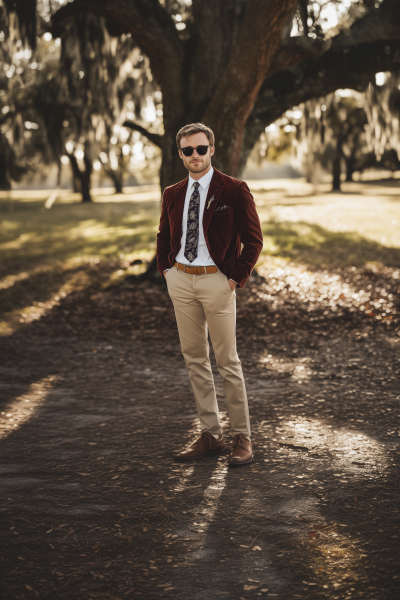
(356, 227)
(312, 244)
(45, 254)
(32, 233)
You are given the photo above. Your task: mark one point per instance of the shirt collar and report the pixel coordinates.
(203, 181)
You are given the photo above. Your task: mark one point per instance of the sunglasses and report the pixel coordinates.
(201, 150)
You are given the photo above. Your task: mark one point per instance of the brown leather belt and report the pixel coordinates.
(195, 270)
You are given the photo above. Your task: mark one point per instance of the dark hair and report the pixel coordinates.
(194, 128)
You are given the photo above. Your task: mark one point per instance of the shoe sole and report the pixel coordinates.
(189, 458)
(239, 464)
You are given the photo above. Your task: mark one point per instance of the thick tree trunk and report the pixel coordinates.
(172, 169)
(336, 172)
(248, 65)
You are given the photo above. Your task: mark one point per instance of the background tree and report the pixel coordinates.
(383, 111)
(99, 74)
(23, 144)
(235, 65)
(332, 132)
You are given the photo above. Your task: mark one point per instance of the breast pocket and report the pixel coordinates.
(223, 211)
(222, 223)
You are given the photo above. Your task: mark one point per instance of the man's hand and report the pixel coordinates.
(233, 284)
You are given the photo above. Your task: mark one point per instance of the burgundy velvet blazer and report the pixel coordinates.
(225, 230)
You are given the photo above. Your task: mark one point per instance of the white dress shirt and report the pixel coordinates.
(203, 258)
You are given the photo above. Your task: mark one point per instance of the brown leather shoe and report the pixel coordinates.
(204, 446)
(242, 453)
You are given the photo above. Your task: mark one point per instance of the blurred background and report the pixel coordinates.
(81, 148)
(304, 99)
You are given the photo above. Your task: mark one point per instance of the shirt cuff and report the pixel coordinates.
(234, 281)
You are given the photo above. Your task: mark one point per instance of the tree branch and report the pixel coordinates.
(155, 138)
(349, 60)
(294, 51)
(154, 31)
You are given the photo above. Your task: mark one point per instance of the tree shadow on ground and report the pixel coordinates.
(117, 405)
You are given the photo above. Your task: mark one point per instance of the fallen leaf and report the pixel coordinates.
(250, 587)
(49, 531)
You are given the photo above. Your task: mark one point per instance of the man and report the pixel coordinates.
(204, 221)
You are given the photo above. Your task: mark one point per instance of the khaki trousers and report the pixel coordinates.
(206, 303)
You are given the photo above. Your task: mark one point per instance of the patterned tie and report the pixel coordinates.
(192, 229)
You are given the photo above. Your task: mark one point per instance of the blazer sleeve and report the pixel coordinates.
(250, 234)
(163, 238)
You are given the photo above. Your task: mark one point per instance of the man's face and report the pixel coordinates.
(196, 163)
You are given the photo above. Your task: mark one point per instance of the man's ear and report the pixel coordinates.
(180, 154)
(212, 150)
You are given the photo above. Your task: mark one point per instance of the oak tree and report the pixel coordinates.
(235, 65)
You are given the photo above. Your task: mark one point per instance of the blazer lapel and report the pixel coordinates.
(180, 195)
(215, 190)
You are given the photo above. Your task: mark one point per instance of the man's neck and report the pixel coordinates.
(197, 176)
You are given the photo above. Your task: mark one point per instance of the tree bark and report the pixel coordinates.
(248, 65)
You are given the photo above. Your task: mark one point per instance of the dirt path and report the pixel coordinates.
(92, 504)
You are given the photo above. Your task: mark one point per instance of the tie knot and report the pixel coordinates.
(196, 185)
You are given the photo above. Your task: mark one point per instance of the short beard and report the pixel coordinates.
(203, 169)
